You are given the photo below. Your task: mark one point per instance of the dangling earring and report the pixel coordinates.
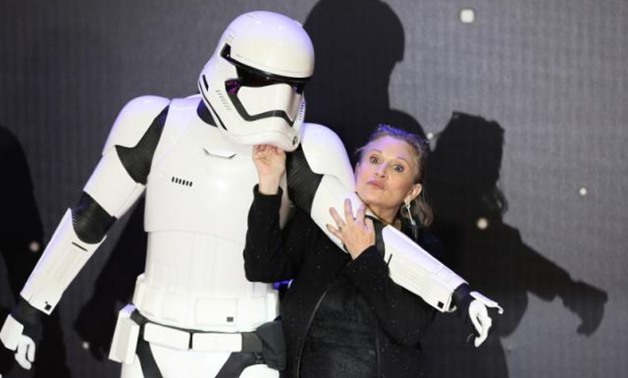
(415, 228)
(412, 221)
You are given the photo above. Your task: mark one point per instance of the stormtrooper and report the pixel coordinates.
(193, 312)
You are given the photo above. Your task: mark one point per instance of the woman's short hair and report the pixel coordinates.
(420, 146)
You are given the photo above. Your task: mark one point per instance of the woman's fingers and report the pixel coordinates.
(368, 224)
(337, 218)
(356, 233)
(349, 218)
(359, 215)
(348, 211)
(334, 231)
(262, 148)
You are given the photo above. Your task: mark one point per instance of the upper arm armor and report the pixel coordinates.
(321, 158)
(302, 181)
(134, 120)
(121, 174)
(325, 154)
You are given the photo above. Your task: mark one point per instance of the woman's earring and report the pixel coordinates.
(415, 229)
(412, 221)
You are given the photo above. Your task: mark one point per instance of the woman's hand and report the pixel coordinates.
(270, 162)
(357, 234)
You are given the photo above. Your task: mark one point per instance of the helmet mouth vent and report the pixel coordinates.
(248, 117)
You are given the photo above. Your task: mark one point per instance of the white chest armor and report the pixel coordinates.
(197, 199)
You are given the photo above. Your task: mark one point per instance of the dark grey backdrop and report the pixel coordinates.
(525, 107)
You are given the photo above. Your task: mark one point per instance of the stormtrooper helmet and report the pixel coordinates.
(253, 83)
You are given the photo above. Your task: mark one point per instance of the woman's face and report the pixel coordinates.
(385, 176)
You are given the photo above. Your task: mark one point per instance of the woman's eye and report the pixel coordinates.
(398, 168)
(373, 159)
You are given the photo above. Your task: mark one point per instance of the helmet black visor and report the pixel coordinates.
(252, 77)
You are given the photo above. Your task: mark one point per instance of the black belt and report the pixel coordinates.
(251, 354)
(251, 341)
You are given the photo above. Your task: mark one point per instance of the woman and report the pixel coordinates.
(342, 315)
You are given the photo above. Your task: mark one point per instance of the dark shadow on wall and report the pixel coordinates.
(21, 241)
(357, 45)
(463, 174)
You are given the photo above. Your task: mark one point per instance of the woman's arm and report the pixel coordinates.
(265, 259)
(264, 242)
